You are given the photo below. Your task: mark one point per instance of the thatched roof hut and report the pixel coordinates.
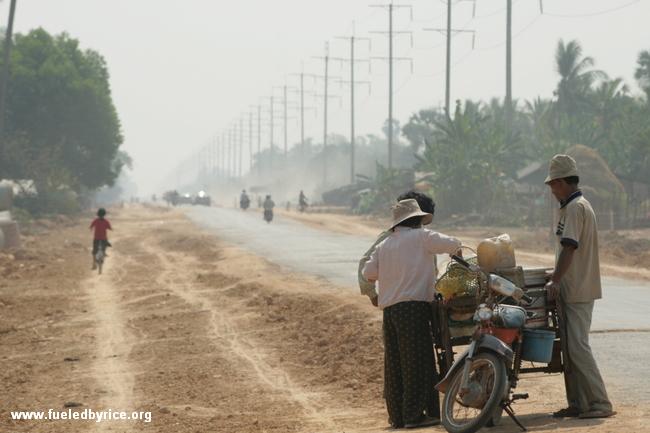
(597, 180)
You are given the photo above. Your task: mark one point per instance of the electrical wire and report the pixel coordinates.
(593, 14)
(401, 86)
(500, 44)
(496, 12)
(453, 65)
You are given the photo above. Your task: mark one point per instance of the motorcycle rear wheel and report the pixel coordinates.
(488, 377)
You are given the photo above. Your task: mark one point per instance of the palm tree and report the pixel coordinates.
(642, 73)
(543, 138)
(574, 108)
(576, 76)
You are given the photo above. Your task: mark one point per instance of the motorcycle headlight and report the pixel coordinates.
(484, 313)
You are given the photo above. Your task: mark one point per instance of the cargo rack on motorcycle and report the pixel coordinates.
(459, 293)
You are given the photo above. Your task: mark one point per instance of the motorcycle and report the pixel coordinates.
(244, 203)
(479, 385)
(268, 215)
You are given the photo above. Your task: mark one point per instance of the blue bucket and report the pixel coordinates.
(538, 345)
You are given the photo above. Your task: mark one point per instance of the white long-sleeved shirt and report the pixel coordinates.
(403, 265)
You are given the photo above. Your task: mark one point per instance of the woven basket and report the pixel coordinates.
(459, 282)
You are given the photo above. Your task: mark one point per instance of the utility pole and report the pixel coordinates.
(241, 146)
(352, 39)
(212, 158)
(325, 82)
(390, 87)
(390, 59)
(5, 71)
(272, 121)
(448, 32)
(250, 141)
(271, 150)
(448, 62)
(271, 129)
(302, 114)
(224, 152)
(259, 138)
(217, 156)
(509, 69)
(221, 156)
(233, 162)
(326, 96)
(301, 90)
(285, 119)
(230, 152)
(229, 159)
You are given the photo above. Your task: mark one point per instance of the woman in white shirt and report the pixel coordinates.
(403, 267)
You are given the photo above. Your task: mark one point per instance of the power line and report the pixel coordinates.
(515, 36)
(593, 14)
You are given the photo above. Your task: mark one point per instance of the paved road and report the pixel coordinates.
(335, 256)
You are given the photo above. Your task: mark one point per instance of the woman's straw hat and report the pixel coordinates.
(409, 208)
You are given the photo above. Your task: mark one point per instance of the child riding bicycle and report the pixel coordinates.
(100, 238)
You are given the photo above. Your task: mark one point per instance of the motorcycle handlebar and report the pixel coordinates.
(460, 260)
(527, 298)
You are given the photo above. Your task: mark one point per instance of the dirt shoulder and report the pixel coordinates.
(206, 337)
(46, 328)
(623, 253)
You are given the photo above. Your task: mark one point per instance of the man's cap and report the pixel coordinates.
(409, 208)
(561, 166)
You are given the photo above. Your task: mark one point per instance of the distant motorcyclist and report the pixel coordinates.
(302, 202)
(268, 209)
(174, 197)
(244, 200)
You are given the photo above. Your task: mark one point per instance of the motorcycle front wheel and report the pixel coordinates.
(470, 411)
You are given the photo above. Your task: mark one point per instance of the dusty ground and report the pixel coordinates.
(205, 336)
(623, 253)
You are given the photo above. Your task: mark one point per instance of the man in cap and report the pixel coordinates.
(575, 284)
(403, 266)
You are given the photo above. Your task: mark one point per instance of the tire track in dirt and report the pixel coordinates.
(223, 332)
(111, 368)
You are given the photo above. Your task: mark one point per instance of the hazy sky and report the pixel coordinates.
(183, 71)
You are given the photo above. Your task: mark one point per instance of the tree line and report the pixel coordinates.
(471, 153)
(62, 130)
